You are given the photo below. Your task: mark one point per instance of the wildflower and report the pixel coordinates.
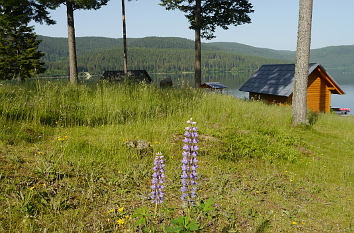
(158, 179)
(112, 210)
(32, 187)
(120, 222)
(121, 209)
(294, 223)
(189, 164)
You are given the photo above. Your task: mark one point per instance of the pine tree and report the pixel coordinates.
(299, 104)
(19, 55)
(72, 5)
(205, 15)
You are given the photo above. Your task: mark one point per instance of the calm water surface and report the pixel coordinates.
(235, 80)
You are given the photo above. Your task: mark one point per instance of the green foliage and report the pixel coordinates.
(176, 55)
(142, 214)
(337, 60)
(206, 208)
(183, 224)
(79, 4)
(36, 10)
(214, 13)
(19, 55)
(74, 174)
(96, 55)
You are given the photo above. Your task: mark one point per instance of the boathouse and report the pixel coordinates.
(275, 84)
(133, 75)
(214, 86)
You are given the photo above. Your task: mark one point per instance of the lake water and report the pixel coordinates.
(235, 80)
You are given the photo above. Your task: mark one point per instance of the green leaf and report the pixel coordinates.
(141, 221)
(193, 226)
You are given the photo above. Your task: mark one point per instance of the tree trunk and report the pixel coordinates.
(125, 60)
(299, 103)
(198, 54)
(71, 42)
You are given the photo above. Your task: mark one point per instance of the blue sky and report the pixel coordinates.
(274, 23)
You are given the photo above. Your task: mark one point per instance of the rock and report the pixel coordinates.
(142, 147)
(167, 82)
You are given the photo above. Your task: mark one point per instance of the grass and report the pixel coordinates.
(65, 166)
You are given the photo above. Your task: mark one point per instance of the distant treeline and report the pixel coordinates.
(154, 54)
(173, 54)
(157, 60)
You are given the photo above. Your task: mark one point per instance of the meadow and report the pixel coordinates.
(65, 165)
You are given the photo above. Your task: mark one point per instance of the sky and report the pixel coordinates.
(274, 23)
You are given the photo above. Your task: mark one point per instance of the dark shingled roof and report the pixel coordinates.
(274, 79)
(134, 75)
(214, 85)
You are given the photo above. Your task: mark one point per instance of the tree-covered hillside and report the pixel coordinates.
(173, 54)
(159, 60)
(338, 60)
(154, 54)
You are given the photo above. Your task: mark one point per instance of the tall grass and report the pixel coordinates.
(258, 167)
(59, 104)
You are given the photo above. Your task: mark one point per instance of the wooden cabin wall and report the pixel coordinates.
(318, 94)
(270, 98)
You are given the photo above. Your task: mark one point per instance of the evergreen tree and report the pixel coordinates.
(72, 5)
(299, 104)
(125, 59)
(19, 55)
(205, 15)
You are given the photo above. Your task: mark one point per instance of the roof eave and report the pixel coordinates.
(337, 89)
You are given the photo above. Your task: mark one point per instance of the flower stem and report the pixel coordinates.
(155, 209)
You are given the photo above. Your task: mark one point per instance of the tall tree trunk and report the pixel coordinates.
(198, 54)
(71, 42)
(124, 39)
(299, 103)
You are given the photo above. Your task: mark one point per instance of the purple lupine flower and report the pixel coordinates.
(189, 164)
(158, 179)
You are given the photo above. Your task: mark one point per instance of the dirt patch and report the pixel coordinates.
(305, 151)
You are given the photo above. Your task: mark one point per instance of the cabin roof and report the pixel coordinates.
(214, 85)
(118, 75)
(278, 79)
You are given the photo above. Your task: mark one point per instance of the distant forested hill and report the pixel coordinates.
(154, 54)
(338, 60)
(173, 54)
(159, 60)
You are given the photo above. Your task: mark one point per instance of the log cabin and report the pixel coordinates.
(275, 84)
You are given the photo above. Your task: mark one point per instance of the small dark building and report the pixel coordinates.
(133, 75)
(275, 84)
(214, 86)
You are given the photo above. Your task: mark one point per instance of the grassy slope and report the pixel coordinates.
(64, 163)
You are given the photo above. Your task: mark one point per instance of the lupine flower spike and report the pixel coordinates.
(190, 164)
(158, 179)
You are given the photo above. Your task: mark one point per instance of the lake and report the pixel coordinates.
(235, 80)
